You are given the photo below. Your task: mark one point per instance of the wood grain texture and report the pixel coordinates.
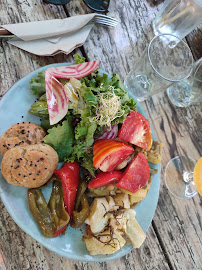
(174, 239)
(194, 39)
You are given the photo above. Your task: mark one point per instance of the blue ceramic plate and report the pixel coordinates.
(13, 106)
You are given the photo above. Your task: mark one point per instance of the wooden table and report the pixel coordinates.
(174, 237)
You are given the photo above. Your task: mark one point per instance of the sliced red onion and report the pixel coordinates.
(108, 133)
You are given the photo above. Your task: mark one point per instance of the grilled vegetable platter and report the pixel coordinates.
(106, 153)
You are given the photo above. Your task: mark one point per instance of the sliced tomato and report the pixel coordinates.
(105, 178)
(136, 174)
(74, 71)
(136, 130)
(107, 154)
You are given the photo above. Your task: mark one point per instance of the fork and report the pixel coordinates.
(99, 18)
(104, 19)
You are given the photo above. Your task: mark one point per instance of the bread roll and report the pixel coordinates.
(29, 166)
(21, 134)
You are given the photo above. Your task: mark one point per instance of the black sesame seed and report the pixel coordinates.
(7, 148)
(4, 145)
(24, 175)
(16, 167)
(45, 168)
(31, 164)
(17, 123)
(41, 158)
(34, 179)
(22, 116)
(39, 171)
(8, 143)
(30, 173)
(37, 160)
(29, 122)
(35, 165)
(20, 158)
(27, 135)
(28, 130)
(19, 174)
(23, 122)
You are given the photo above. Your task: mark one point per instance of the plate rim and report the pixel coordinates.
(26, 230)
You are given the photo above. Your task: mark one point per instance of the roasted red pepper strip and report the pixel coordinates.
(69, 175)
(105, 178)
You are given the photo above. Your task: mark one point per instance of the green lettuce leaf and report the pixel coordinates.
(78, 59)
(45, 123)
(40, 108)
(37, 85)
(61, 138)
(87, 163)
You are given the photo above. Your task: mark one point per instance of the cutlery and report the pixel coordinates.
(99, 19)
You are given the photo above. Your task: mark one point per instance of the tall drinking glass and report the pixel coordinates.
(188, 91)
(178, 17)
(163, 63)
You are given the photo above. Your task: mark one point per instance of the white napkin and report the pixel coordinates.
(51, 37)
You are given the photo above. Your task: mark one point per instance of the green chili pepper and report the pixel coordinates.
(41, 212)
(78, 218)
(82, 188)
(56, 206)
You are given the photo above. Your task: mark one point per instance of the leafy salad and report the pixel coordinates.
(101, 103)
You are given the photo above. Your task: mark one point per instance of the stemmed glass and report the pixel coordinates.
(167, 60)
(183, 177)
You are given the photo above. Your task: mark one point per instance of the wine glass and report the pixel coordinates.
(181, 174)
(165, 61)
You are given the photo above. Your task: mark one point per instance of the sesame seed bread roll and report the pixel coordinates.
(29, 166)
(21, 134)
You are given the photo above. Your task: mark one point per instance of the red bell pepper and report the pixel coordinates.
(69, 175)
(60, 231)
(105, 178)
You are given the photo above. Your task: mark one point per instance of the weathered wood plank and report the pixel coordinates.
(177, 223)
(194, 39)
